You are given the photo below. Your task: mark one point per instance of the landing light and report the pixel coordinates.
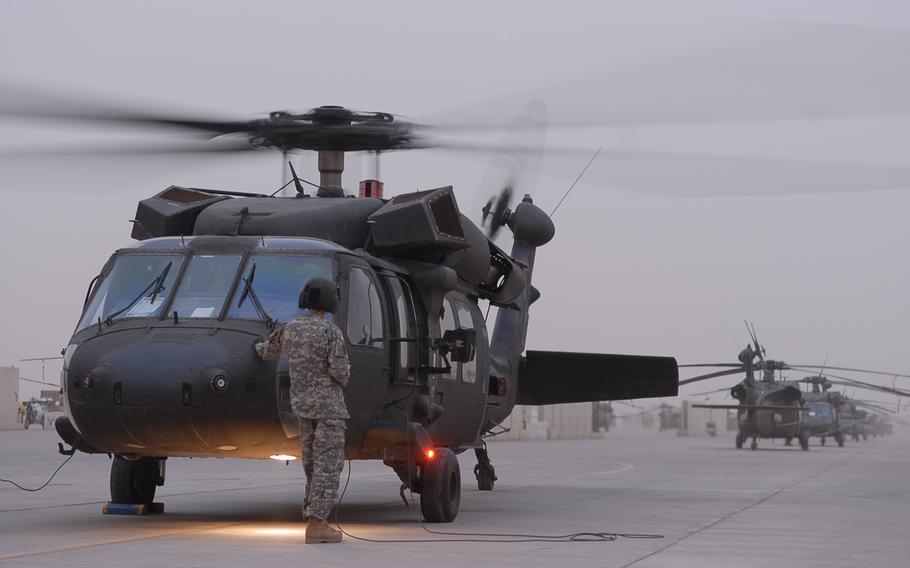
(430, 454)
(282, 457)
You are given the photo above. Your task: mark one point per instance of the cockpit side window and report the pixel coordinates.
(364, 311)
(277, 283)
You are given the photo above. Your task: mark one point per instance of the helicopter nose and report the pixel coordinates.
(171, 391)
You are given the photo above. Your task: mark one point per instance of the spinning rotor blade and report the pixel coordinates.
(142, 149)
(712, 375)
(711, 365)
(778, 71)
(21, 102)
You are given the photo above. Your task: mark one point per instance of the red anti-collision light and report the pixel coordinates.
(430, 454)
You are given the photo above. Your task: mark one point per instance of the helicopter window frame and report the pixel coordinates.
(373, 289)
(249, 257)
(102, 280)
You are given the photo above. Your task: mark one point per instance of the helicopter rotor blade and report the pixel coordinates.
(711, 376)
(219, 146)
(868, 371)
(711, 365)
(847, 381)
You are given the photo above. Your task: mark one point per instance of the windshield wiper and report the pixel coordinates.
(157, 286)
(249, 291)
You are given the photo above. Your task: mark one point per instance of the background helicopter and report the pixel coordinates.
(770, 407)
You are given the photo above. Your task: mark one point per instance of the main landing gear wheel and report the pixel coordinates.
(739, 441)
(754, 445)
(440, 487)
(134, 481)
(788, 441)
(839, 438)
(804, 441)
(823, 440)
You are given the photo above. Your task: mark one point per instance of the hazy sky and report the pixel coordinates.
(629, 271)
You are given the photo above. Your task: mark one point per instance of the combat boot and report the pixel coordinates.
(317, 531)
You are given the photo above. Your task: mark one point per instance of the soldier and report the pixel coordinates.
(319, 369)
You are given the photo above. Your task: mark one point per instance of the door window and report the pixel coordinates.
(364, 316)
(465, 321)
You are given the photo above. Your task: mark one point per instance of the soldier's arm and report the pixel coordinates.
(272, 346)
(339, 365)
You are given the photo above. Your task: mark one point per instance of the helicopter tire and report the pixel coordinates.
(440, 487)
(739, 441)
(823, 440)
(788, 441)
(839, 438)
(804, 441)
(133, 482)
(486, 477)
(754, 445)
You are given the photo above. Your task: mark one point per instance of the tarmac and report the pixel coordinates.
(704, 502)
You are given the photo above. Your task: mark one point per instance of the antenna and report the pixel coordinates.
(297, 183)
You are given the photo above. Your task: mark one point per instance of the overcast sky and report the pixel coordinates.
(630, 271)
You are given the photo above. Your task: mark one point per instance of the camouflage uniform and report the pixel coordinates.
(319, 368)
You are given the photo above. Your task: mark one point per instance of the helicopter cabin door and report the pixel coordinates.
(462, 392)
(365, 326)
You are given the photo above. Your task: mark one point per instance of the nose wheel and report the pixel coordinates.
(484, 470)
(134, 482)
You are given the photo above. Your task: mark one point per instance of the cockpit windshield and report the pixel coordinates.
(204, 286)
(138, 285)
(276, 284)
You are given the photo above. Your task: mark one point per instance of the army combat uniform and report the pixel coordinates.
(319, 369)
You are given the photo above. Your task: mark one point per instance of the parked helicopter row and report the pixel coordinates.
(771, 407)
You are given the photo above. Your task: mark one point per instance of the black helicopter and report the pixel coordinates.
(771, 407)
(161, 363)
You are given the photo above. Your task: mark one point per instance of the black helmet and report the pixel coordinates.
(318, 294)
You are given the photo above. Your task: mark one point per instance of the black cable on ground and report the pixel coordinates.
(46, 483)
(595, 536)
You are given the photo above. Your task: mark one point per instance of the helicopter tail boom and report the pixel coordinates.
(556, 377)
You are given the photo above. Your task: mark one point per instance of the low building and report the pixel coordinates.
(9, 398)
(550, 422)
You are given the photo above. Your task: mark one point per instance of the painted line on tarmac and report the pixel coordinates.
(751, 505)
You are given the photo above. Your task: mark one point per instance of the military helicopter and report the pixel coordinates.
(770, 407)
(161, 362)
(823, 416)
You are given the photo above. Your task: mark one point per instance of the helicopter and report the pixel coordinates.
(772, 408)
(161, 363)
